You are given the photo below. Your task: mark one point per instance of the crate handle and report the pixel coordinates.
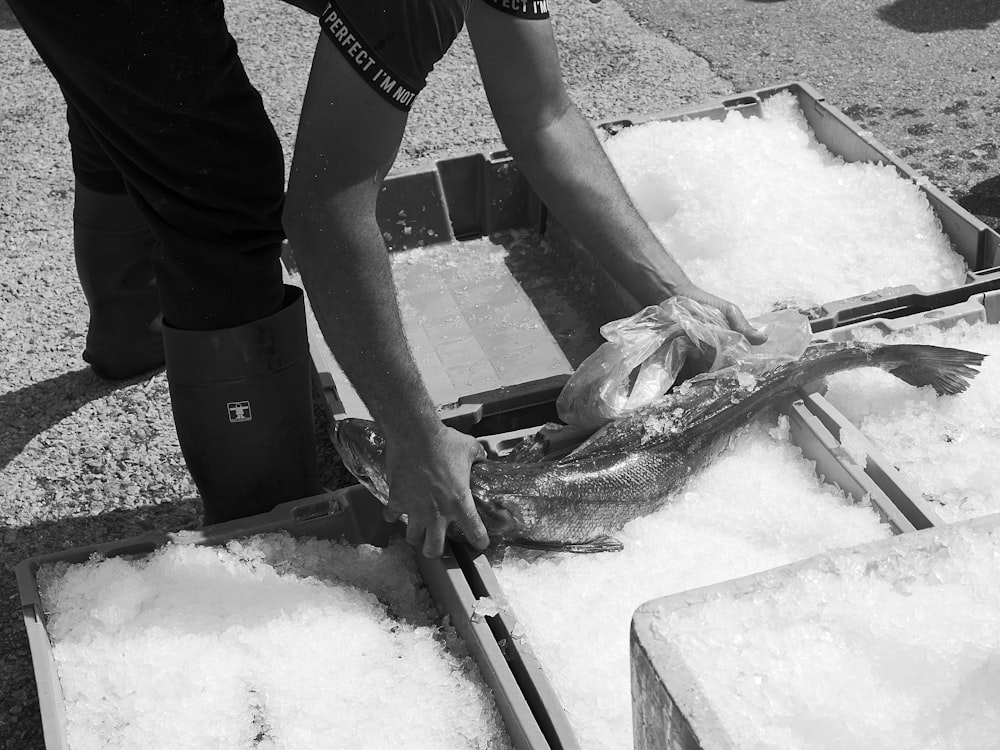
(324, 507)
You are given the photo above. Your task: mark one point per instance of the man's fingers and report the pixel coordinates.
(741, 325)
(415, 533)
(472, 526)
(468, 519)
(434, 537)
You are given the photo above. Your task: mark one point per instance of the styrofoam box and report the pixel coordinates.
(670, 708)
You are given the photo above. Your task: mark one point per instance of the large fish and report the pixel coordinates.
(630, 467)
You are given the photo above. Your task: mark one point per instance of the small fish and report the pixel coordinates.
(630, 467)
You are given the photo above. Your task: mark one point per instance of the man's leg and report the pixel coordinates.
(113, 246)
(161, 89)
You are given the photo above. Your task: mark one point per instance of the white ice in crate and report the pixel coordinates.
(758, 505)
(268, 642)
(945, 446)
(855, 446)
(485, 607)
(870, 651)
(757, 210)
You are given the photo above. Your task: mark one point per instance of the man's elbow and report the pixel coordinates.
(528, 128)
(313, 220)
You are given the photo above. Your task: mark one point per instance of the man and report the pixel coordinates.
(180, 176)
(172, 149)
(371, 60)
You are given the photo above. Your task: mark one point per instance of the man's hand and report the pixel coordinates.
(733, 315)
(429, 482)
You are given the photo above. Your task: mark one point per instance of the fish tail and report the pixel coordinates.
(946, 370)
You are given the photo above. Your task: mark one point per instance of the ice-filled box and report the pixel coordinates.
(783, 491)
(938, 453)
(888, 644)
(314, 625)
(501, 304)
(776, 199)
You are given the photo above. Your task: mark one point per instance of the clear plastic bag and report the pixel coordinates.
(643, 354)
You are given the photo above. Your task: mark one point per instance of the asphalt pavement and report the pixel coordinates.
(921, 75)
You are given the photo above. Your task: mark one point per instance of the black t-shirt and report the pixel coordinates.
(394, 44)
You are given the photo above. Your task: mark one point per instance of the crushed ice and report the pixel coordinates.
(758, 211)
(267, 642)
(757, 506)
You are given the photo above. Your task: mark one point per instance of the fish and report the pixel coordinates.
(630, 467)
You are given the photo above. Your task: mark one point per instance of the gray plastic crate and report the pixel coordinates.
(976, 242)
(476, 368)
(808, 432)
(519, 687)
(982, 308)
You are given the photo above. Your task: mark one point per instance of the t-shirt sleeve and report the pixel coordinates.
(530, 9)
(393, 44)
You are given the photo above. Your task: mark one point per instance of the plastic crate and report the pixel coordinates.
(979, 308)
(818, 445)
(476, 367)
(354, 515)
(976, 242)
(670, 708)
(488, 338)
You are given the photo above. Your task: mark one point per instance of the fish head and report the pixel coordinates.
(362, 449)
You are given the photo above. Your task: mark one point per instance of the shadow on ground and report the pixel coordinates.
(983, 200)
(35, 408)
(929, 16)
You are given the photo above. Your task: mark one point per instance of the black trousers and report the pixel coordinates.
(159, 106)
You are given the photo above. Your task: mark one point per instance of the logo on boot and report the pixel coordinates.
(239, 411)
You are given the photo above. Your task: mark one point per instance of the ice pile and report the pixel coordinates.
(760, 504)
(945, 446)
(895, 648)
(269, 642)
(758, 211)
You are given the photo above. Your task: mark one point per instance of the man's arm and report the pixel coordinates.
(347, 140)
(559, 153)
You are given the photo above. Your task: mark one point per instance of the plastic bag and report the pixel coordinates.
(643, 354)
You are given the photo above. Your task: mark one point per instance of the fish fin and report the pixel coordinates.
(947, 370)
(552, 441)
(532, 448)
(603, 543)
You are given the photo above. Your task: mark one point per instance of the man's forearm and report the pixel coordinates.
(350, 287)
(570, 171)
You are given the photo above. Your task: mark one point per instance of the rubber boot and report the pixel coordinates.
(113, 248)
(242, 405)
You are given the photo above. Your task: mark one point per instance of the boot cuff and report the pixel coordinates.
(241, 352)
